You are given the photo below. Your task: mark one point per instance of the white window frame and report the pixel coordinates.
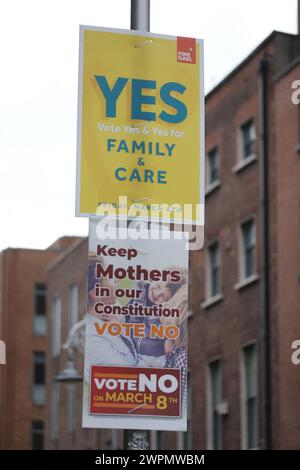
(210, 186)
(54, 410)
(73, 299)
(243, 412)
(209, 401)
(241, 161)
(71, 407)
(56, 326)
(211, 299)
(244, 280)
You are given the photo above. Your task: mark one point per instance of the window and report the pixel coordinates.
(213, 166)
(2, 352)
(73, 318)
(248, 140)
(213, 285)
(249, 398)
(160, 440)
(37, 433)
(54, 410)
(248, 267)
(157, 440)
(215, 438)
(190, 303)
(111, 441)
(56, 326)
(71, 407)
(38, 391)
(39, 317)
(187, 436)
(114, 439)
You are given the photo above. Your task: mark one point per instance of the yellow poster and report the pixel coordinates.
(140, 124)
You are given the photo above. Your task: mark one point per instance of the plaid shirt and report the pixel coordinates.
(177, 359)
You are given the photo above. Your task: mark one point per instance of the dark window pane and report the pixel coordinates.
(248, 139)
(217, 436)
(40, 299)
(38, 389)
(248, 231)
(250, 364)
(215, 281)
(39, 318)
(40, 304)
(213, 166)
(37, 435)
(160, 440)
(39, 367)
(249, 262)
(214, 269)
(216, 399)
(251, 423)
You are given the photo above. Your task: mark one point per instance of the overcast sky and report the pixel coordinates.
(38, 92)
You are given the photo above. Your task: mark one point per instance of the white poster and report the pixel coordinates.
(135, 370)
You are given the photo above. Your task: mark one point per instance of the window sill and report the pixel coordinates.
(244, 163)
(246, 282)
(212, 301)
(216, 184)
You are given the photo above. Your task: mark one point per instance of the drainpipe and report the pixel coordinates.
(265, 268)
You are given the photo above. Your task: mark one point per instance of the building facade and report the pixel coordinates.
(23, 328)
(246, 280)
(245, 293)
(66, 279)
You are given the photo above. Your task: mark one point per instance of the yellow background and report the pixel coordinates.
(114, 55)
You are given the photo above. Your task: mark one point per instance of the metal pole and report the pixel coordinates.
(140, 15)
(140, 19)
(265, 282)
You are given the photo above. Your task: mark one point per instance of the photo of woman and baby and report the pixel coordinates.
(143, 351)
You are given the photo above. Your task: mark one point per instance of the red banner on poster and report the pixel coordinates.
(135, 391)
(186, 50)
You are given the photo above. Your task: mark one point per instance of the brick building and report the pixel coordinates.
(245, 285)
(23, 327)
(246, 280)
(66, 279)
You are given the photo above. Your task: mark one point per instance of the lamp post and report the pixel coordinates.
(133, 439)
(74, 341)
(70, 374)
(140, 19)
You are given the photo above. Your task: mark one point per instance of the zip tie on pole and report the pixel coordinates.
(144, 43)
(139, 124)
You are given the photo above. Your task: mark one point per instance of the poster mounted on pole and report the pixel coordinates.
(140, 125)
(135, 364)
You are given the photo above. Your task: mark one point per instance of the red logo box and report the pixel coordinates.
(135, 391)
(186, 50)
